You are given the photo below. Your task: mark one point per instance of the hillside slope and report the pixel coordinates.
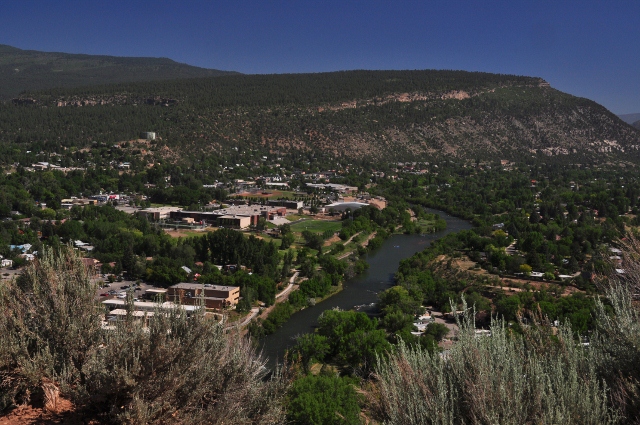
(371, 115)
(33, 70)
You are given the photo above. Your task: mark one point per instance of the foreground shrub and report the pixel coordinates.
(616, 348)
(176, 370)
(616, 343)
(49, 325)
(498, 379)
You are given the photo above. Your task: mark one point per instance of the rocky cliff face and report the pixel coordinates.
(507, 122)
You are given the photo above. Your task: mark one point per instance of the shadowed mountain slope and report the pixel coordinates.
(34, 70)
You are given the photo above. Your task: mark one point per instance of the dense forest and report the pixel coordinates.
(370, 115)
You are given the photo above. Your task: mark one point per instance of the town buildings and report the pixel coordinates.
(212, 296)
(234, 217)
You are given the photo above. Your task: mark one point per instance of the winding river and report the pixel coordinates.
(360, 290)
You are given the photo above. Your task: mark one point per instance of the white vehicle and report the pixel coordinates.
(122, 295)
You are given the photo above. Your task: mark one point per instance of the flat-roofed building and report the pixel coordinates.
(334, 187)
(159, 213)
(235, 216)
(156, 294)
(287, 203)
(121, 313)
(148, 306)
(234, 221)
(70, 203)
(343, 206)
(213, 296)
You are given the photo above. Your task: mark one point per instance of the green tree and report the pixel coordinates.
(525, 269)
(312, 347)
(287, 240)
(323, 400)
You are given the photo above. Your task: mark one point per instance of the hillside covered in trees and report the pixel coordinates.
(361, 115)
(30, 69)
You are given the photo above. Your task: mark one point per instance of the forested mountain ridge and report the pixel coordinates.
(372, 115)
(34, 70)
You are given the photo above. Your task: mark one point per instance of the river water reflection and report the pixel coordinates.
(360, 290)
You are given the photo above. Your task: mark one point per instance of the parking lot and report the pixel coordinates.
(111, 290)
(105, 290)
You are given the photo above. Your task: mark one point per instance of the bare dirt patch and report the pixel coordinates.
(185, 233)
(333, 239)
(467, 264)
(507, 284)
(30, 415)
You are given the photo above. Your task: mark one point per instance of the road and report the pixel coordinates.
(254, 312)
(280, 297)
(286, 290)
(365, 243)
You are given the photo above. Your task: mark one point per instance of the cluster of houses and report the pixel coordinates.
(42, 166)
(5, 262)
(24, 253)
(420, 323)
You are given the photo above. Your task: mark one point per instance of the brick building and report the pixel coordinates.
(213, 296)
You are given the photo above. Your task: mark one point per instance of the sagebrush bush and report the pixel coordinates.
(48, 324)
(537, 377)
(176, 370)
(616, 343)
(498, 379)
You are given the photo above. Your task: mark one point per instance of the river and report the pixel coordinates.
(360, 290)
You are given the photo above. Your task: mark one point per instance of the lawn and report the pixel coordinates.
(277, 242)
(316, 226)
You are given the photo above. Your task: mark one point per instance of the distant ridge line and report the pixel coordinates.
(30, 70)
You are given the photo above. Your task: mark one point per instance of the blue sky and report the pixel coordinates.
(586, 48)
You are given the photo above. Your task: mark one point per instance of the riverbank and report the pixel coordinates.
(360, 290)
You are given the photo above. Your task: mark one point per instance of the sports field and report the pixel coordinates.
(316, 226)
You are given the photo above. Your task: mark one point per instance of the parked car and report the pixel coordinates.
(122, 295)
(112, 292)
(104, 294)
(125, 287)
